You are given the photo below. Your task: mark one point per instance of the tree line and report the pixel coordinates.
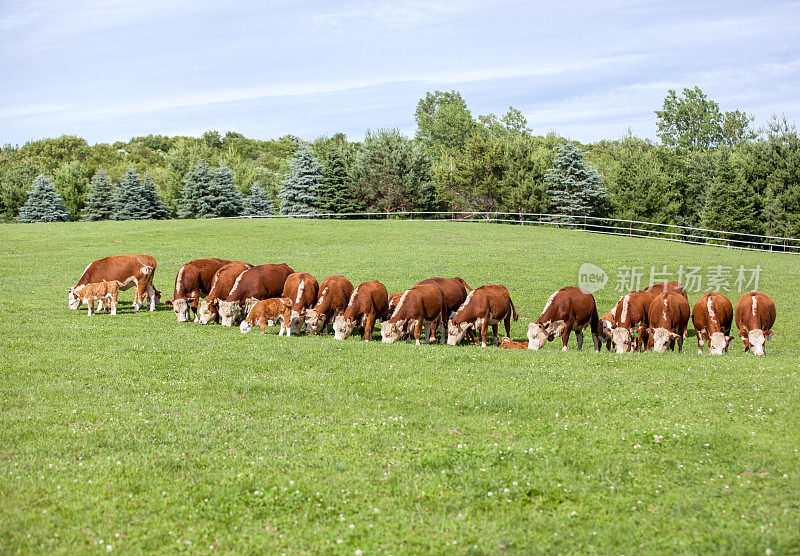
(710, 169)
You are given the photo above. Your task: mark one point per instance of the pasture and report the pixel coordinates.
(134, 433)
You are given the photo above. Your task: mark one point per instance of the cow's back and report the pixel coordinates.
(261, 282)
(669, 310)
(568, 303)
(344, 283)
(225, 277)
(454, 290)
(713, 312)
(302, 288)
(116, 267)
(672, 286)
(755, 310)
(632, 309)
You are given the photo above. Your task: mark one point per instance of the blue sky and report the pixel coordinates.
(108, 70)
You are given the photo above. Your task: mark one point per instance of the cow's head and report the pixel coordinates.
(208, 311)
(73, 299)
(456, 332)
(229, 312)
(538, 336)
(719, 343)
(391, 332)
(622, 339)
(246, 326)
(314, 322)
(661, 339)
(296, 320)
(181, 308)
(343, 327)
(757, 339)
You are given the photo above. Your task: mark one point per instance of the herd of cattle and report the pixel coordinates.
(655, 318)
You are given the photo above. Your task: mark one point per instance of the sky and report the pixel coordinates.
(109, 70)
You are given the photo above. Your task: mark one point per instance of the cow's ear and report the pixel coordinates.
(674, 336)
(287, 302)
(728, 340)
(650, 331)
(214, 302)
(769, 334)
(168, 303)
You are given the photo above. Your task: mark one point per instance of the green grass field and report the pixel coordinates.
(136, 434)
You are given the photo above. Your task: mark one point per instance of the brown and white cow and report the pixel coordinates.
(508, 343)
(334, 296)
(192, 282)
(422, 307)
(368, 303)
(569, 309)
(755, 315)
(669, 317)
(484, 306)
(630, 321)
(394, 299)
(712, 316)
(302, 289)
(100, 291)
(130, 270)
(672, 286)
(266, 310)
(455, 292)
(259, 282)
(221, 286)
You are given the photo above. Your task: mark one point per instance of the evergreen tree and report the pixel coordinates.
(43, 204)
(159, 209)
(257, 203)
(573, 186)
(135, 201)
(209, 193)
(100, 204)
(730, 203)
(334, 194)
(299, 193)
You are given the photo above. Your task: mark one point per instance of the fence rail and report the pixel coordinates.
(608, 226)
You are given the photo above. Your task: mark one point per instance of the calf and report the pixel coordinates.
(568, 309)
(755, 315)
(263, 311)
(221, 286)
(712, 316)
(423, 306)
(630, 321)
(99, 291)
(334, 295)
(487, 305)
(193, 281)
(259, 282)
(302, 289)
(669, 316)
(508, 343)
(369, 302)
(130, 270)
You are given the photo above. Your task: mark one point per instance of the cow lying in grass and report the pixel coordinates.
(265, 312)
(89, 294)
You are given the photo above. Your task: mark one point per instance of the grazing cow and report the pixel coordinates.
(484, 306)
(129, 270)
(259, 282)
(335, 293)
(672, 286)
(630, 321)
(455, 292)
(712, 316)
(263, 311)
(423, 306)
(302, 289)
(568, 309)
(97, 291)
(669, 317)
(508, 343)
(606, 324)
(755, 315)
(221, 286)
(193, 281)
(369, 302)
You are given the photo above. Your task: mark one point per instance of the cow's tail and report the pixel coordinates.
(463, 283)
(514, 313)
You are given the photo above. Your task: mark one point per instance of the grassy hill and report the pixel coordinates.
(137, 433)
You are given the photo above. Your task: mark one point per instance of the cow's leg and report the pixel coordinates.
(151, 293)
(368, 326)
(262, 324)
(419, 327)
(565, 334)
(484, 329)
(494, 332)
(579, 339)
(680, 343)
(507, 324)
(700, 343)
(90, 306)
(114, 304)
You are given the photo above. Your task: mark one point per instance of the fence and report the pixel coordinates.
(610, 226)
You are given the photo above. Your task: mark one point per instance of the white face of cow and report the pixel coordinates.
(229, 311)
(622, 339)
(181, 308)
(314, 324)
(758, 339)
(204, 313)
(342, 327)
(245, 327)
(296, 322)
(719, 343)
(391, 332)
(73, 301)
(456, 333)
(537, 336)
(662, 338)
